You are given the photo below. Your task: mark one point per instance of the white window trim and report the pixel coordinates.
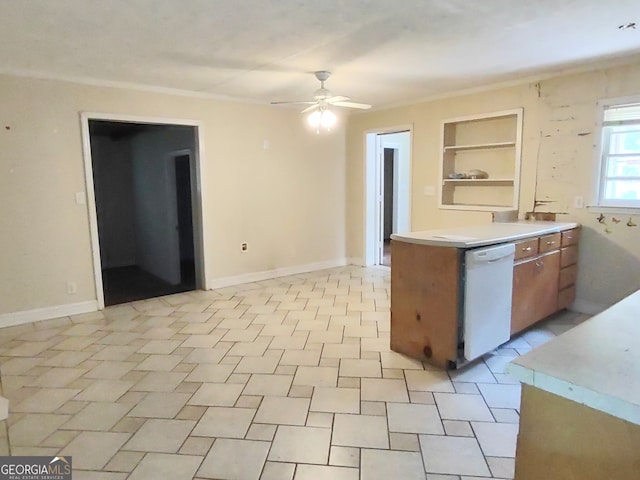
(597, 183)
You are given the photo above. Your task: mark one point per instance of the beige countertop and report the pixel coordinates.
(480, 235)
(596, 363)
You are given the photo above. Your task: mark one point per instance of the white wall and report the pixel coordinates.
(286, 200)
(157, 245)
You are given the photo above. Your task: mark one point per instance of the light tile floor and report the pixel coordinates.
(290, 378)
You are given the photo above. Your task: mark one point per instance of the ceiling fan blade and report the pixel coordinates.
(311, 107)
(292, 103)
(337, 98)
(362, 106)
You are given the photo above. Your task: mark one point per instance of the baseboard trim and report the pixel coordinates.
(359, 261)
(275, 273)
(588, 307)
(47, 313)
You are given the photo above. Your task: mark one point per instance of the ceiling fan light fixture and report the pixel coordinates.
(322, 118)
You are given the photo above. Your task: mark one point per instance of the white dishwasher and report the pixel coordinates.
(487, 298)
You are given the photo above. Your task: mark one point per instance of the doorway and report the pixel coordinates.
(147, 225)
(388, 159)
(185, 218)
(388, 191)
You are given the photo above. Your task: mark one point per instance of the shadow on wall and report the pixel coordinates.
(607, 272)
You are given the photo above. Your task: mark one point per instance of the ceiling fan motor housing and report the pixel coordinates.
(322, 75)
(322, 93)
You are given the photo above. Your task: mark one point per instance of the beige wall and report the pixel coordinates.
(557, 165)
(298, 202)
(287, 201)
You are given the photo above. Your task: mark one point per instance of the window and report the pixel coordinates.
(620, 155)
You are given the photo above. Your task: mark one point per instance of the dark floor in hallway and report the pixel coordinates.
(131, 283)
(386, 253)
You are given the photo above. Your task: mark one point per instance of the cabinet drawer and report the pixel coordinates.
(566, 297)
(549, 242)
(570, 237)
(568, 276)
(526, 248)
(568, 256)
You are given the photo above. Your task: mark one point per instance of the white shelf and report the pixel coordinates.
(479, 146)
(487, 182)
(489, 142)
(479, 208)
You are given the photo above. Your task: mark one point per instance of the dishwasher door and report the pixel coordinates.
(487, 299)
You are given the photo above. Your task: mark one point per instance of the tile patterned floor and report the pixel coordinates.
(284, 379)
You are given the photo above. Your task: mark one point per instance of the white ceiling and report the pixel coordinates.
(381, 52)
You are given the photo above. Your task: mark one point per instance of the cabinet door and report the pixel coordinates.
(535, 290)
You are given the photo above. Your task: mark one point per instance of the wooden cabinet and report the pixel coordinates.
(568, 267)
(526, 248)
(548, 243)
(425, 301)
(427, 292)
(544, 277)
(535, 290)
(490, 143)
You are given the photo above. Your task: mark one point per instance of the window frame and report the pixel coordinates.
(601, 154)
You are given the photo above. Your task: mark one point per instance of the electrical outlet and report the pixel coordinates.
(578, 202)
(244, 247)
(72, 288)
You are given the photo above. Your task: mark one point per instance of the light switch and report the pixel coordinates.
(80, 198)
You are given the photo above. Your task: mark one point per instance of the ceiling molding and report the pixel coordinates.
(92, 82)
(620, 61)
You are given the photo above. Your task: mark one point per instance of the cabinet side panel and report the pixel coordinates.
(563, 440)
(425, 301)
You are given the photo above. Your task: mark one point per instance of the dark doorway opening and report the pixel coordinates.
(387, 205)
(185, 220)
(142, 175)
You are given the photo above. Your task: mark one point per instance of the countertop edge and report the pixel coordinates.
(598, 401)
(605, 378)
(544, 228)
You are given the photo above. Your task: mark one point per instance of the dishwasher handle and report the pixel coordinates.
(496, 259)
(490, 255)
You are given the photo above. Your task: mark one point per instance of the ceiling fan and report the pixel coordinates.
(322, 98)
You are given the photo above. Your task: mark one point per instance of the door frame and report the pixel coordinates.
(197, 191)
(373, 150)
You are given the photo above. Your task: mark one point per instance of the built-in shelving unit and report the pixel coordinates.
(478, 181)
(491, 143)
(480, 146)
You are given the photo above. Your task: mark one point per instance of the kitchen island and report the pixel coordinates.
(580, 411)
(428, 274)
